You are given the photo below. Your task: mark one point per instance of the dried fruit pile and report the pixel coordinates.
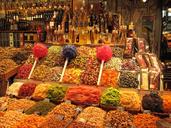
(118, 119)
(152, 102)
(56, 92)
(42, 73)
(72, 76)
(90, 75)
(145, 121)
(109, 77)
(83, 95)
(27, 89)
(113, 63)
(130, 100)
(24, 71)
(166, 102)
(110, 97)
(128, 80)
(90, 117)
(118, 52)
(41, 91)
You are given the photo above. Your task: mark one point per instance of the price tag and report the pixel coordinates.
(68, 101)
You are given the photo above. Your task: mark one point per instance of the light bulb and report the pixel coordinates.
(144, 1)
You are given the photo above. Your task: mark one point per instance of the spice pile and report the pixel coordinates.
(109, 77)
(130, 100)
(56, 92)
(31, 121)
(118, 119)
(41, 108)
(20, 105)
(72, 76)
(42, 73)
(166, 102)
(91, 117)
(145, 121)
(24, 71)
(7, 65)
(152, 102)
(128, 80)
(83, 95)
(41, 91)
(110, 98)
(90, 75)
(59, 116)
(113, 63)
(26, 90)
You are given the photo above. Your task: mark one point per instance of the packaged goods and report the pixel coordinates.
(41, 91)
(118, 119)
(20, 105)
(90, 117)
(14, 88)
(40, 108)
(83, 95)
(110, 97)
(130, 100)
(128, 80)
(145, 121)
(27, 89)
(141, 61)
(72, 76)
(56, 92)
(152, 102)
(60, 116)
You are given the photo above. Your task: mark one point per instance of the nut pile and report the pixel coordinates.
(20, 105)
(118, 119)
(24, 71)
(145, 121)
(128, 80)
(7, 65)
(90, 75)
(42, 73)
(41, 91)
(59, 116)
(113, 63)
(56, 92)
(26, 90)
(83, 95)
(10, 118)
(130, 100)
(109, 77)
(31, 121)
(91, 117)
(72, 76)
(110, 97)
